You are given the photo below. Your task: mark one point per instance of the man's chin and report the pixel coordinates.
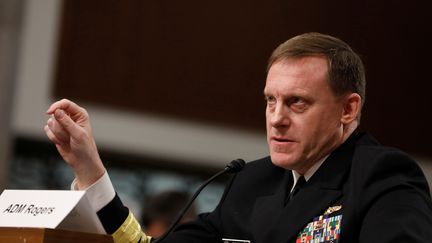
(282, 160)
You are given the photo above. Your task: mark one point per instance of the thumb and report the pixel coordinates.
(67, 123)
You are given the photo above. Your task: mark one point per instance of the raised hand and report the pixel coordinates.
(70, 130)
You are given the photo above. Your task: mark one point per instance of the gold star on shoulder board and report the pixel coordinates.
(333, 209)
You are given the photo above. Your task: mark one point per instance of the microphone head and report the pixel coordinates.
(235, 166)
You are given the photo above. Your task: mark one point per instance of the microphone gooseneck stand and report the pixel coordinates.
(233, 167)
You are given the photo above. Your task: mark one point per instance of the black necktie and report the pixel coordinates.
(300, 182)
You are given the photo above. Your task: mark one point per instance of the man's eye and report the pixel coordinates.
(270, 99)
(298, 104)
(296, 100)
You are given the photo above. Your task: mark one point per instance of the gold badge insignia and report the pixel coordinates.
(333, 209)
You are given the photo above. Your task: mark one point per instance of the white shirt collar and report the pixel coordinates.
(310, 172)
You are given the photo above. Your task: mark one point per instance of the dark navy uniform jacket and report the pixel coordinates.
(363, 192)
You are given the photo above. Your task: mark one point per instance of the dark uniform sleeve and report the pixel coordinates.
(121, 224)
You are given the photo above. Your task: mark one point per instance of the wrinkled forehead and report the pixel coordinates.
(305, 66)
(309, 73)
(290, 57)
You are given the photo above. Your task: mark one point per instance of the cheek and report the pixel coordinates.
(310, 130)
(332, 121)
(267, 114)
(324, 131)
(268, 125)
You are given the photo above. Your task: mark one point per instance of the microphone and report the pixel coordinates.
(233, 167)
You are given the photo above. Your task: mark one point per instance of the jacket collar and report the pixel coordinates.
(271, 221)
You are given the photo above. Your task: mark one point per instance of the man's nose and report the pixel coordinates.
(279, 116)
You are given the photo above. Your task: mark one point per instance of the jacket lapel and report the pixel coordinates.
(272, 222)
(266, 213)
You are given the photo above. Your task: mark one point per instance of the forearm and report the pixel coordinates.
(120, 223)
(116, 219)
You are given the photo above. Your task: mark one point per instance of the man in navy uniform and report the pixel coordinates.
(323, 180)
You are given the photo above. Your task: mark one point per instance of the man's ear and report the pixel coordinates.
(351, 108)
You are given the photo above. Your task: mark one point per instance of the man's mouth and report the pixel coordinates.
(281, 140)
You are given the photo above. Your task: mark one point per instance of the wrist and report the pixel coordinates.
(85, 177)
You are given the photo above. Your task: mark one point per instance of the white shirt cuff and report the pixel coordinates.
(99, 193)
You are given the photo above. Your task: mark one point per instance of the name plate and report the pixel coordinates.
(52, 209)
